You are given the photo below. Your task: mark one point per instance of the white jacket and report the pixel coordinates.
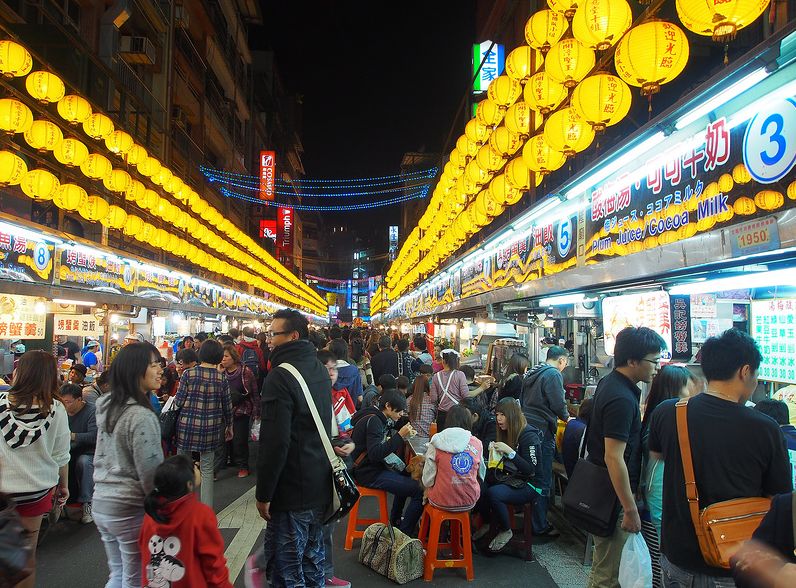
(453, 440)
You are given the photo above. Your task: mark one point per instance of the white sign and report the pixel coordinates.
(769, 144)
(77, 325)
(774, 329)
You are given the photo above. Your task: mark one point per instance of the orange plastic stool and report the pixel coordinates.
(354, 522)
(523, 541)
(462, 556)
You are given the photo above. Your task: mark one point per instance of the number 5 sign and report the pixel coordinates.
(769, 145)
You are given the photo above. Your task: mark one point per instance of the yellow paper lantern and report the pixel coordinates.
(504, 141)
(544, 29)
(651, 54)
(133, 225)
(15, 61)
(116, 218)
(96, 166)
(12, 168)
(119, 142)
(769, 199)
(520, 63)
(569, 61)
(175, 186)
(501, 190)
(150, 167)
(744, 206)
(74, 109)
(135, 191)
(540, 157)
(466, 186)
(543, 93)
(487, 205)
(489, 159)
(725, 183)
(565, 7)
(599, 24)
(567, 132)
(43, 135)
(602, 100)
(71, 152)
(40, 184)
(518, 119)
(476, 131)
(719, 20)
(95, 208)
(98, 126)
(15, 117)
(163, 209)
(504, 91)
(489, 113)
(117, 181)
(477, 219)
(150, 200)
(518, 174)
(69, 197)
(135, 155)
(45, 87)
(792, 190)
(164, 177)
(475, 173)
(740, 174)
(464, 145)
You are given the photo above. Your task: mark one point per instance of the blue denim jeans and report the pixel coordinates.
(677, 577)
(543, 480)
(293, 549)
(402, 487)
(499, 495)
(119, 533)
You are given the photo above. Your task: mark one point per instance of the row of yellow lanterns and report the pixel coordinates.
(45, 135)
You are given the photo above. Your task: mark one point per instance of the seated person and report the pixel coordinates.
(573, 434)
(483, 427)
(454, 463)
(372, 446)
(92, 358)
(100, 386)
(77, 374)
(83, 427)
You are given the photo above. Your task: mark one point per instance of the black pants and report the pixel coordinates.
(441, 415)
(240, 441)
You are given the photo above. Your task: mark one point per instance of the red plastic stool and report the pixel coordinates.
(523, 542)
(462, 556)
(354, 522)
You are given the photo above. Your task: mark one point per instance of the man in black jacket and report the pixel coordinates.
(543, 403)
(294, 481)
(385, 361)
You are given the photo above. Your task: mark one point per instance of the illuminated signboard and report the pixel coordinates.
(76, 325)
(646, 309)
(492, 66)
(284, 239)
(19, 318)
(267, 174)
(93, 269)
(268, 229)
(774, 329)
(24, 256)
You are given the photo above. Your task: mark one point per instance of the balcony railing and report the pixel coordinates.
(133, 84)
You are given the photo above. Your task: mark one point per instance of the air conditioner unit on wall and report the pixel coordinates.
(139, 50)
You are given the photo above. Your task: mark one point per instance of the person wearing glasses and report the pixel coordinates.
(613, 440)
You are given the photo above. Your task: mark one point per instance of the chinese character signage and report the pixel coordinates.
(774, 329)
(155, 282)
(647, 309)
(77, 325)
(19, 319)
(268, 229)
(681, 328)
(25, 259)
(94, 270)
(393, 242)
(488, 62)
(267, 175)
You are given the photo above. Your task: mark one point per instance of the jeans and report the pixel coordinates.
(328, 566)
(607, 556)
(84, 476)
(401, 487)
(206, 461)
(495, 498)
(293, 549)
(120, 536)
(544, 481)
(676, 577)
(240, 441)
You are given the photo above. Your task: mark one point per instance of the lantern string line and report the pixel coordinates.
(255, 187)
(420, 193)
(319, 184)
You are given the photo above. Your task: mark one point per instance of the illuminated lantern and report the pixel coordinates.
(651, 54)
(504, 91)
(164, 209)
(132, 225)
(116, 218)
(150, 200)
(501, 191)
(135, 155)
(135, 191)
(744, 206)
(96, 166)
(544, 94)
(489, 159)
(519, 64)
(176, 185)
(769, 199)
(602, 100)
(71, 152)
(464, 145)
(569, 61)
(719, 20)
(98, 126)
(518, 119)
(119, 142)
(12, 169)
(489, 113)
(43, 135)
(565, 7)
(740, 174)
(544, 29)
(477, 219)
(146, 234)
(74, 109)
(15, 61)
(69, 197)
(487, 205)
(599, 24)
(40, 184)
(15, 117)
(150, 167)
(94, 208)
(567, 132)
(792, 190)
(477, 132)
(540, 157)
(518, 175)
(117, 181)
(712, 189)
(476, 174)
(466, 186)
(45, 87)
(725, 183)
(504, 141)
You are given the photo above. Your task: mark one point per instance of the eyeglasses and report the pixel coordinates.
(272, 334)
(656, 363)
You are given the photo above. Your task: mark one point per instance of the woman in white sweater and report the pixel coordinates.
(34, 451)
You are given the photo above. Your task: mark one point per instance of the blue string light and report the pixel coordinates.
(256, 188)
(422, 193)
(333, 290)
(344, 183)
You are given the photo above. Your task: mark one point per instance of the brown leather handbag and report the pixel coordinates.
(723, 527)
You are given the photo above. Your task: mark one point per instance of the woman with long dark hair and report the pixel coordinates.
(34, 455)
(511, 383)
(421, 408)
(448, 386)
(127, 454)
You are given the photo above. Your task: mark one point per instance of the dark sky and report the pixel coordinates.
(377, 79)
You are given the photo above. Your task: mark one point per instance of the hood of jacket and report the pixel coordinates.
(294, 352)
(347, 375)
(251, 343)
(453, 440)
(538, 371)
(177, 510)
(21, 430)
(360, 414)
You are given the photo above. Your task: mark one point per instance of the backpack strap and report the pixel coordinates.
(691, 492)
(793, 507)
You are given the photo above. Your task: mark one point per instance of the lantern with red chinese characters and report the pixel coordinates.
(651, 54)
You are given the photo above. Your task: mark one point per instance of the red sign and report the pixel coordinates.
(268, 229)
(267, 174)
(284, 238)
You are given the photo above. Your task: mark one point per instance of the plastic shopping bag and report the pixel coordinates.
(635, 568)
(255, 433)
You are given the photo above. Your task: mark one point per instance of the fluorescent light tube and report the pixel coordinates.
(64, 301)
(722, 97)
(562, 300)
(783, 277)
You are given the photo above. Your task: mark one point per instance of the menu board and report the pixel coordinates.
(774, 329)
(94, 270)
(647, 309)
(19, 318)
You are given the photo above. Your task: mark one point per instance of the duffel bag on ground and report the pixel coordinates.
(391, 553)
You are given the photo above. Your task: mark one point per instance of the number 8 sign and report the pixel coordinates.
(769, 144)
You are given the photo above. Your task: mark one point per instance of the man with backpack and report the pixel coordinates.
(251, 355)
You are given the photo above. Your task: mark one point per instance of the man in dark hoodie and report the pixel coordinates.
(543, 402)
(294, 481)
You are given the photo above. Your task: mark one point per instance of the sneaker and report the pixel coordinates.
(481, 532)
(500, 540)
(243, 473)
(254, 577)
(334, 581)
(86, 518)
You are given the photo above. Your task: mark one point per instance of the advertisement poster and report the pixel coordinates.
(19, 318)
(704, 329)
(76, 325)
(646, 309)
(774, 329)
(25, 259)
(703, 306)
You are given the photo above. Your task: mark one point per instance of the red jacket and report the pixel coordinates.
(186, 552)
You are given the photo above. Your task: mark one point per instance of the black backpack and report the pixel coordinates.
(251, 360)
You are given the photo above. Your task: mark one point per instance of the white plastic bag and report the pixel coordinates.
(255, 434)
(635, 568)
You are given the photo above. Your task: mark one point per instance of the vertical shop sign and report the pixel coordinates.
(284, 228)
(488, 62)
(681, 328)
(267, 174)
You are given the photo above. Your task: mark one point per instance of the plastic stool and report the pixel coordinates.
(353, 531)
(462, 556)
(525, 542)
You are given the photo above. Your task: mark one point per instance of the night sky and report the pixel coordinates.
(374, 86)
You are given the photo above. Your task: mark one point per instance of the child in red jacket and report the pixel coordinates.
(180, 543)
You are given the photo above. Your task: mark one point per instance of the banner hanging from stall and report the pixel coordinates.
(75, 325)
(93, 269)
(153, 282)
(20, 318)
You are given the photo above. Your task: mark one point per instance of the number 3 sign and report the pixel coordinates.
(769, 145)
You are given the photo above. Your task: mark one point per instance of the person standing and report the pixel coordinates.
(448, 386)
(294, 481)
(92, 358)
(613, 440)
(386, 360)
(245, 406)
(83, 437)
(736, 452)
(251, 355)
(543, 402)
